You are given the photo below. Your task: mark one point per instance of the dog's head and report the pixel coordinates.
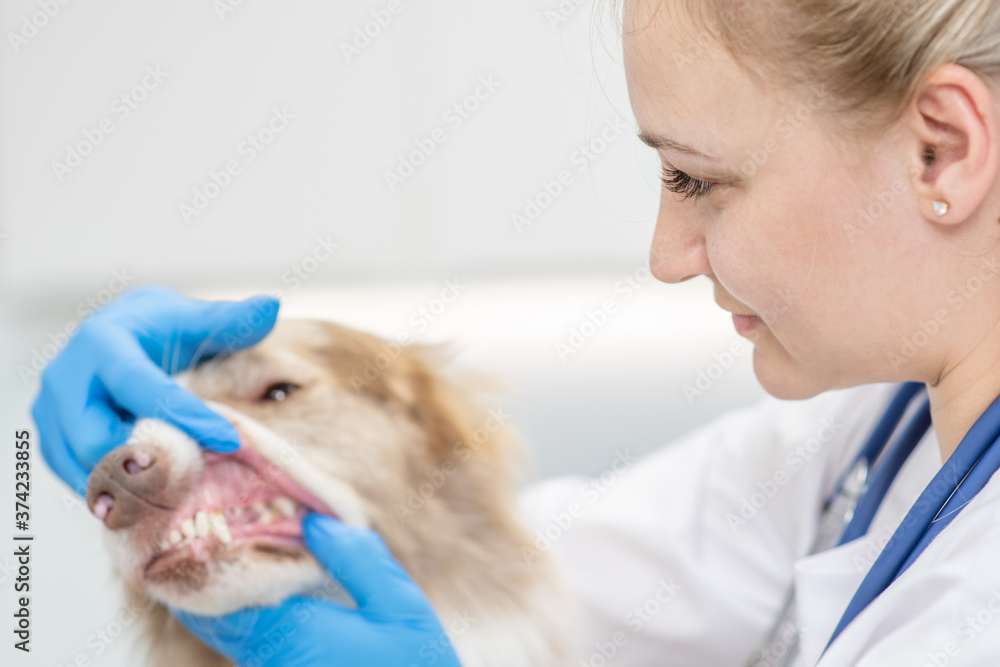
(331, 420)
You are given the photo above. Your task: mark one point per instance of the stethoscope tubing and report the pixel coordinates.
(962, 476)
(863, 486)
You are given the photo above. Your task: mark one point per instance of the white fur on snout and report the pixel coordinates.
(337, 495)
(167, 443)
(230, 585)
(248, 582)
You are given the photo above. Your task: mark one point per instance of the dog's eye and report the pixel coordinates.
(279, 391)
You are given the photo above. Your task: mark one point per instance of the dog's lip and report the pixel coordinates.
(248, 455)
(192, 550)
(278, 483)
(288, 532)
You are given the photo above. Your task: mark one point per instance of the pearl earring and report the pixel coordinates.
(941, 208)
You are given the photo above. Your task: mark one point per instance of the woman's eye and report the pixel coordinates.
(678, 182)
(279, 391)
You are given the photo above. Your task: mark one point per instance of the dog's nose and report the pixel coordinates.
(126, 486)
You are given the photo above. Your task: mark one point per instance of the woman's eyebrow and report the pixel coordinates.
(659, 142)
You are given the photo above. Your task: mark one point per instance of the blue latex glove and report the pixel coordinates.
(115, 369)
(393, 626)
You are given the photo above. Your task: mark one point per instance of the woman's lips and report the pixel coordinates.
(745, 324)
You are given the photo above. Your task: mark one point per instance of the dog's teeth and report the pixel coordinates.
(187, 527)
(284, 505)
(175, 537)
(201, 523)
(264, 513)
(220, 527)
(164, 544)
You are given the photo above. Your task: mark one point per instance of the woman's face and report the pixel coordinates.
(819, 242)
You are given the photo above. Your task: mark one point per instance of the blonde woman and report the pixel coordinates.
(831, 166)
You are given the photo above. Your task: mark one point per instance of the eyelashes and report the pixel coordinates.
(678, 182)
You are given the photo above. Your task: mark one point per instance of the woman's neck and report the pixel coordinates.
(964, 391)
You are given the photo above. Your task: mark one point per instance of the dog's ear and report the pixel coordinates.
(362, 362)
(413, 378)
(474, 446)
(460, 427)
(445, 410)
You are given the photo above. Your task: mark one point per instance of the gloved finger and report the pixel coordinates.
(85, 411)
(232, 325)
(228, 635)
(55, 449)
(140, 387)
(243, 634)
(97, 429)
(236, 628)
(203, 329)
(100, 416)
(360, 561)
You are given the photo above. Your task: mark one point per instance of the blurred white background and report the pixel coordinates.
(119, 121)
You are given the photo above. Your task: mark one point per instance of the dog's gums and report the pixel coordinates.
(209, 533)
(239, 500)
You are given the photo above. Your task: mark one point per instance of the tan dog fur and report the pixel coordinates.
(430, 471)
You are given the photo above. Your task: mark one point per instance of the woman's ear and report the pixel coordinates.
(954, 121)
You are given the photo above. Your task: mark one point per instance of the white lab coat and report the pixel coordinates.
(684, 557)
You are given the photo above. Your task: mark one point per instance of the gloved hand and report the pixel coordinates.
(115, 369)
(393, 626)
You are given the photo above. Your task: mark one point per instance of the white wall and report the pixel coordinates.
(556, 90)
(64, 240)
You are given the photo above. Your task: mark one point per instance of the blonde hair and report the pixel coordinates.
(869, 56)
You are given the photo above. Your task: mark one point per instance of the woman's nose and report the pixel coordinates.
(678, 251)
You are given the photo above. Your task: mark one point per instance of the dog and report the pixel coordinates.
(336, 421)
